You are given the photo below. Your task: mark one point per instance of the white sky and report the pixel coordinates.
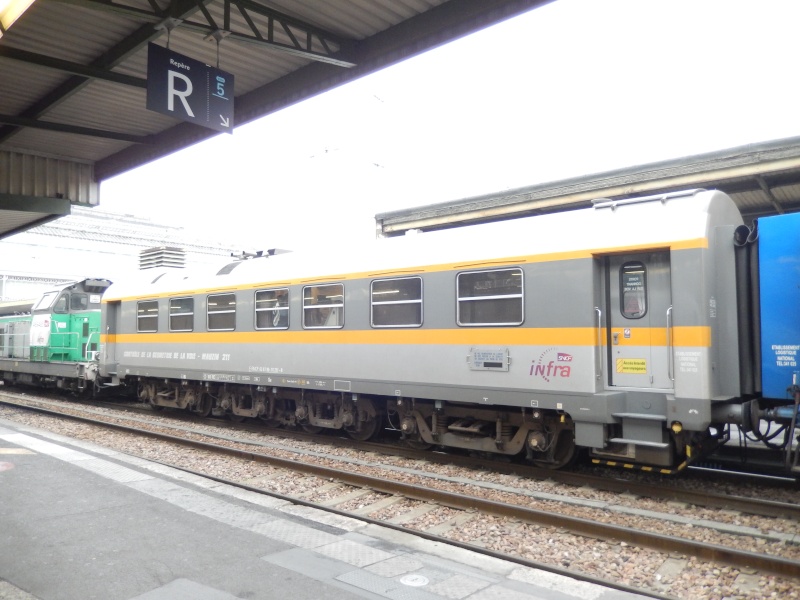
(573, 88)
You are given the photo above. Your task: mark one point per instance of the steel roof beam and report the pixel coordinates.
(35, 204)
(70, 67)
(291, 27)
(74, 129)
(33, 210)
(762, 183)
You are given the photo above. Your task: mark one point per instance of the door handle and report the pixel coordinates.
(670, 353)
(599, 353)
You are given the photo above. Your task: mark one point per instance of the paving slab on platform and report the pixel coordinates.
(78, 521)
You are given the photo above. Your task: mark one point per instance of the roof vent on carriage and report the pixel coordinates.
(162, 256)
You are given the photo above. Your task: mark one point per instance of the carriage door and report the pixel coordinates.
(109, 327)
(638, 317)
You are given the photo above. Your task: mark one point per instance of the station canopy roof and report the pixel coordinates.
(73, 76)
(762, 179)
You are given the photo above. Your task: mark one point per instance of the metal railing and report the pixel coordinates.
(60, 345)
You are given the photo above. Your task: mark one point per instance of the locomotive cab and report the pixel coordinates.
(54, 342)
(66, 322)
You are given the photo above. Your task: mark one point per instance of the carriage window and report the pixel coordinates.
(323, 306)
(147, 316)
(222, 312)
(397, 302)
(79, 302)
(272, 309)
(490, 297)
(633, 290)
(181, 314)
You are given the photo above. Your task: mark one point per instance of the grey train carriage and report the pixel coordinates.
(627, 329)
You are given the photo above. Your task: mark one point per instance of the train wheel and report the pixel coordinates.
(369, 421)
(204, 405)
(368, 429)
(418, 444)
(311, 428)
(558, 464)
(146, 393)
(564, 454)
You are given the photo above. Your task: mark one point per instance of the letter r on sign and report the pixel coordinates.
(182, 95)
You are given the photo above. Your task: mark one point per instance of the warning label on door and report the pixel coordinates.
(632, 365)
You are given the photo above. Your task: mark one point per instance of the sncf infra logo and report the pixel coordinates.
(551, 364)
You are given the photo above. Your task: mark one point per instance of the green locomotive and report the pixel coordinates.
(53, 341)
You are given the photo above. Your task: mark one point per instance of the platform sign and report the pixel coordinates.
(189, 89)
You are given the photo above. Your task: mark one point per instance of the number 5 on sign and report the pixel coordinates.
(220, 87)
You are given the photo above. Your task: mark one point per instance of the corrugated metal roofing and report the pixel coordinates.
(73, 71)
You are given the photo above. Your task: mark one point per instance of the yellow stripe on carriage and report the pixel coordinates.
(522, 336)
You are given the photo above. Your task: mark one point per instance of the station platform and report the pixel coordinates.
(79, 521)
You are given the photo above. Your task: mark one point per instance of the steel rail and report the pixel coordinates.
(752, 506)
(747, 505)
(662, 543)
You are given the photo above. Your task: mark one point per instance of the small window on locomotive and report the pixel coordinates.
(45, 301)
(222, 312)
(633, 290)
(62, 304)
(79, 302)
(490, 297)
(323, 306)
(181, 314)
(147, 316)
(272, 309)
(397, 302)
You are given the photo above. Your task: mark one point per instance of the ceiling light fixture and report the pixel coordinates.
(10, 11)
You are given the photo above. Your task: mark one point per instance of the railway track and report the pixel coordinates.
(650, 486)
(376, 491)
